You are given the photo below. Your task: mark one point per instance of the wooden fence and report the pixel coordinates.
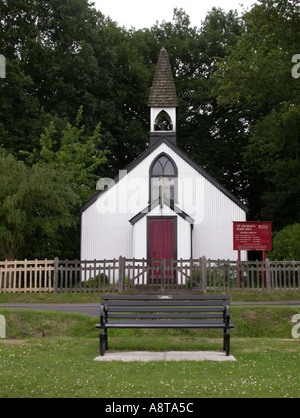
(134, 275)
(26, 276)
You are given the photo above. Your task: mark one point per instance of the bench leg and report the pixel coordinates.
(226, 343)
(106, 339)
(102, 342)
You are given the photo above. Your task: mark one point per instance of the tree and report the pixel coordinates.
(286, 244)
(238, 111)
(60, 56)
(219, 137)
(256, 75)
(75, 153)
(35, 205)
(272, 154)
(79, 158)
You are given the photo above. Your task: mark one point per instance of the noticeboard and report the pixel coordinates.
(252, 236)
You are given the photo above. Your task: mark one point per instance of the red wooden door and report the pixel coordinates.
(161, 246)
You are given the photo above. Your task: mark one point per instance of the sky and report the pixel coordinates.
(144, 14)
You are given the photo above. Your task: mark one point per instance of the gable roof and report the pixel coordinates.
(163, 91)
(170, 205)
(180, 153)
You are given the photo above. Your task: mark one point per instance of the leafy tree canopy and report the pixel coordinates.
(36, 204)
(286, 244)
(74, 105)
(256, 76)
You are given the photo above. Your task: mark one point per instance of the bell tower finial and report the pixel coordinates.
(163, 101)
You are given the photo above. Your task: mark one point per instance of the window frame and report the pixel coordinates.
(174, 176)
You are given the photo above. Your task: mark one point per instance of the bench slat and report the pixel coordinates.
(164, 324)
(163, 303)
(165, 297)
(166, 321)
(141, 309)
(142, 324)
(166, 316)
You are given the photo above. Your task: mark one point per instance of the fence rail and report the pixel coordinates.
(142, 275)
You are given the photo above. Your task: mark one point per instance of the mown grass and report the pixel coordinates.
(254, 321)
(250, 296)
(59, 367)
(51, 355)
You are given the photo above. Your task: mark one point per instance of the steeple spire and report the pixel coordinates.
(163, 91)
(163, 101)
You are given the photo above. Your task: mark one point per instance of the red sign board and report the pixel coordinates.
(252, 236)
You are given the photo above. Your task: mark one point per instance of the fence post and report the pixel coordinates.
(55, 275)
(203, 274)
(268, 274)
(190, 280)
(163, 275)
(121, 284)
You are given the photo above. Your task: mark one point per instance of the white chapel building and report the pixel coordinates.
(162, 205)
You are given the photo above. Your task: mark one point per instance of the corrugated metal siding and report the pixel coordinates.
(213, 237)
(183, 239)
(140, 239)
(106, 243)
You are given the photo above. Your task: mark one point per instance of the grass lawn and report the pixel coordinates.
(65, 297)
(51, 354)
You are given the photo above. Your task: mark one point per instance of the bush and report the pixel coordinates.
(286, 244)
(195, 280)
(100, 280)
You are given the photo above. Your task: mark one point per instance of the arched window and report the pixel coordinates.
(163, 122)
(163, 179)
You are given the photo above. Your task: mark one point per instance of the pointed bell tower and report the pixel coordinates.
(163, 101)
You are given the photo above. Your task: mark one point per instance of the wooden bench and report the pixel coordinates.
(157, 311)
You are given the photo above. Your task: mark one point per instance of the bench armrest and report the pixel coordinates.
(227, 315)
(102, 315)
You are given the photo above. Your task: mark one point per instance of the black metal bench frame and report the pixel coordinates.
(160, 311)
